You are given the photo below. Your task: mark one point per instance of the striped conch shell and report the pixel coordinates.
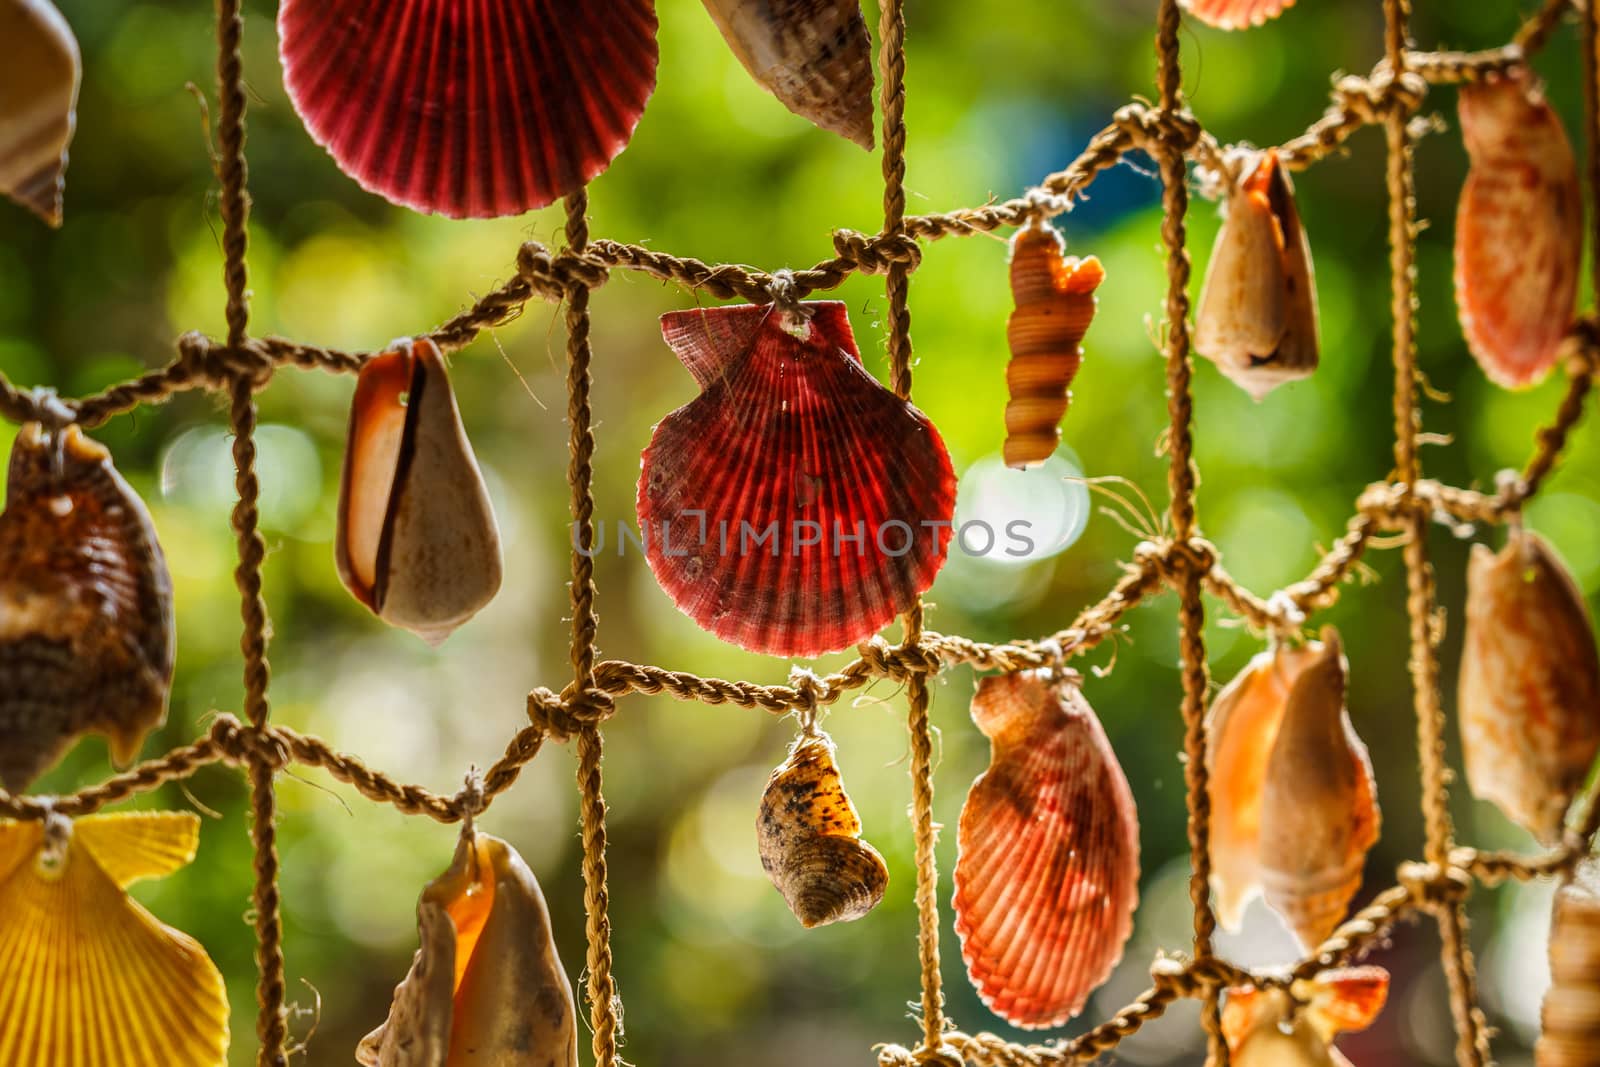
(1571, 1015)
(89, 978)
(487, 986)
(1319, 804)
(1519, 229)
(417, 541)
(1047, 867)
(1530, 683)
(810, 839)
(38, 104)
(1269, 1028)
(813, 55)
(1055, 303)
(1257, 319)
(86, 623)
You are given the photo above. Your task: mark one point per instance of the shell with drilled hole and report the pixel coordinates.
(38, 104)
(86, 623)
(1530, 683)
(795, 506)
(87, 975)
(466, 109)
(417, 541)
(1055, 302)
(1571, 1012)
(1047, 867)
(1257, 319)
(1519, 229)
(487, 986)
(810, 839)
(1268, 1028)
(1236, 14)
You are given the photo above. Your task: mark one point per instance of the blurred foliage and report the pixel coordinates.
(712, 967)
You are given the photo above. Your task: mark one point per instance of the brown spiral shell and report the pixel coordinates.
(1571, 1014)
(38, 104)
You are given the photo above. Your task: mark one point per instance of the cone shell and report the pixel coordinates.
(1319, 805)
(1519, 229)
(1047, 872)
(1266, 1028)
(467, 109)
(1055, 303)
(1571, 1015)
(1258, 308)
(416, 541)
(815, 56)
(38, 104)
(86, 625)
(88, 978)
(810, 839)
(1530, 684)
(1242, 726)
(487, 986)
(1236, 14)
(791, 438)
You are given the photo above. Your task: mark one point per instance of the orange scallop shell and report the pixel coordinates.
(1237, 14)
(39, 98)
(1269, 1028)
(1571, 1012)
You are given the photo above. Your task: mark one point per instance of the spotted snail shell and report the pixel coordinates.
(487, 986)
(1055, 303)
(1319, 804)
(1258, 308)
(1530, 683)
(1571, 1014)
(86, 623)
(1270, 1028)
(416, 540)
(1047, 867)
(1236, 14)
(810, 839)
(1519, 229)
(38, 104)
(815, 56)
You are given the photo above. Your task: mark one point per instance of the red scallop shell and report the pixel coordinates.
(1047, 873)
(790, 436)
(1237, 14)
(469, 109)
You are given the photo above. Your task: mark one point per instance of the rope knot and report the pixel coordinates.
(1433, 886)
(900, 662)
(1371, 99)
(242, 744)
(875, 255)
(217, 365)
(50, 411)
(786, 293)
(1150, 127)
(563, 715)
(554, 276)
(811, 692)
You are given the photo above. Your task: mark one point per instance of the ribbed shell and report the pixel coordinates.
(1319, 804)
(1237, 14)
(469, 109)
(1047, 871)
(810, 839)
(1530, 684)
(1055, 302)
(1519, 229)
(88, 978)
(1571, 1014)
(38, 104)
(86, 624)
(1266, 1028)
(790, 435)
(815, 56)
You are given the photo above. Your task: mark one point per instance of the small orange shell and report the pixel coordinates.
(38, 104)
(1269, 1028)
(1571, 1014)
(1236, 14)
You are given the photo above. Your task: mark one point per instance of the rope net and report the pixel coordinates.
(1185, 564)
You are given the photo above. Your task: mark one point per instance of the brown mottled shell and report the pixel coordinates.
(417, 541)
(810, 839)
(1530, 684)
(1270, 1028)
(1047, 868)
(1519, 229)
(815, 56)
(1571, 1014)
(1257, 319)
(1319, 804)
(487, 986)
(1055, 303)
(38, 104)
(1236, 14)
(86, 625)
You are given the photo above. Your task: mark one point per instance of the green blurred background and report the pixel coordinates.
(712, 967)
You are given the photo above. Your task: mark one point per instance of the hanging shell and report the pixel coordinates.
(417, 541)
(810, 839)
(468, 109)
(1571, 1015)
(1519, 229)
(1242, 725)
(1047, 869)
(1266, 1028)
(815, 56)
(1236, 14)
(38, 104)
(795, 506)
(1530, 684)
(88, 976)
(1319, 805)
(1258, 308)
(86, 624)
(1055, 303)
(486, 988)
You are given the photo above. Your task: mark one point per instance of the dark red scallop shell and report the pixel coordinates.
(789, 441)
(466, 108)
